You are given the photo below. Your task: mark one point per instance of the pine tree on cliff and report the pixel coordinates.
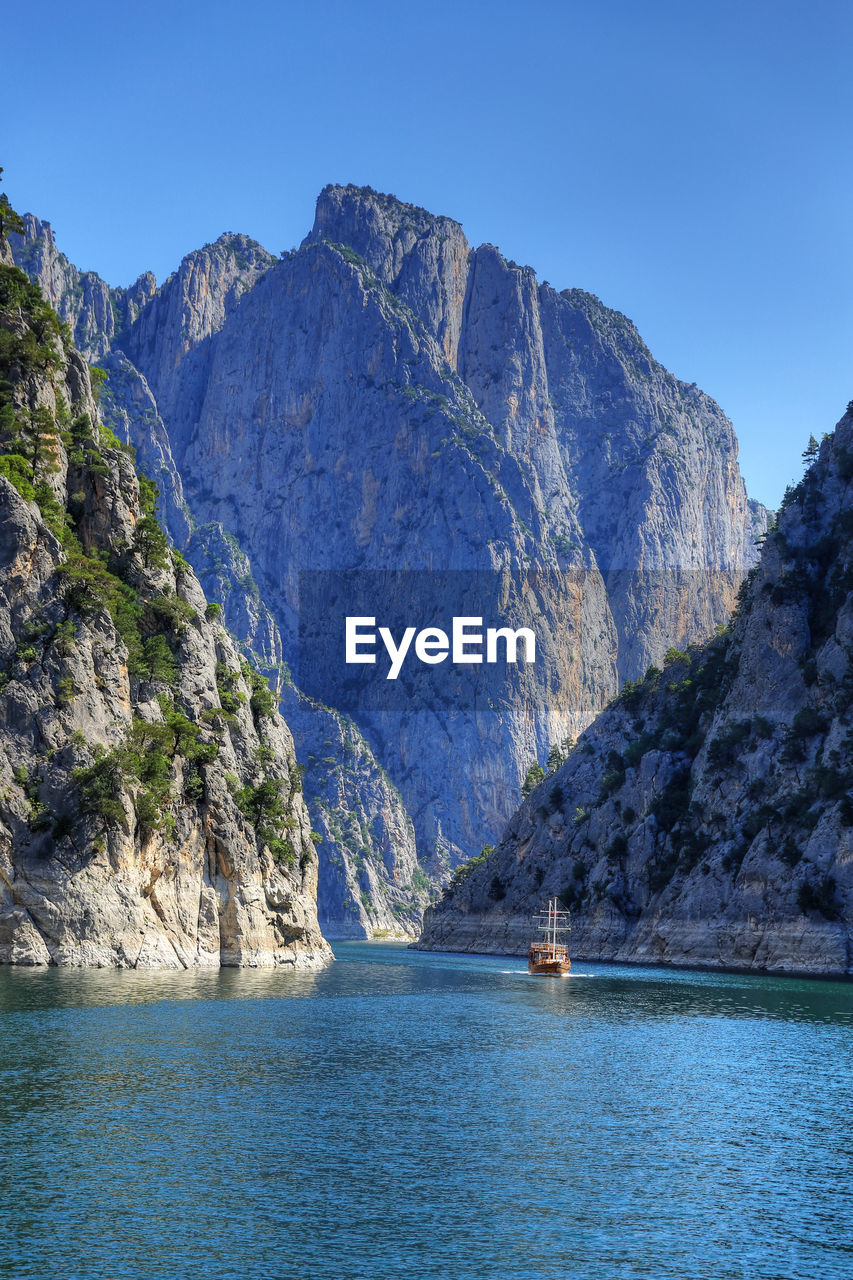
(9, 219)
(811, 452)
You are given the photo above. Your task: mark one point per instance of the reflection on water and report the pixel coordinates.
(370, 970)
(406, 1114)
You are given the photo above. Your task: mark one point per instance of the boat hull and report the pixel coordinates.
(549, 968)
(545, 960)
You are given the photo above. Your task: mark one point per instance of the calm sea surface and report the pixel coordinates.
(428, 1116)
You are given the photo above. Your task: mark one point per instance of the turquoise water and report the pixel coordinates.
(428, 1116)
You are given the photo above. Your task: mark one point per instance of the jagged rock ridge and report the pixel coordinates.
(706, 817)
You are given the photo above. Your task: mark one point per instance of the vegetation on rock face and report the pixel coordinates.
(57, 456)
(10, 221)
(35, 443)
(532, 778)
(144, 766)
(466, 869)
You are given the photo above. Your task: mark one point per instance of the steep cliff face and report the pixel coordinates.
(369, 880)
(168, 340)
(445, 496)
(653, 463)
(387, 398)
(130, 411)
(151, 810)
(706, 817)
(422, 259)
(371, 883)
(603, 433)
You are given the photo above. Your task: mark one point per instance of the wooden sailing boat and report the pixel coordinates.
(548, 956)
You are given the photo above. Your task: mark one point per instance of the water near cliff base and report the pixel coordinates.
(405, 1114)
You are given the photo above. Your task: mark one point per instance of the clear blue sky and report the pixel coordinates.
(690, 163)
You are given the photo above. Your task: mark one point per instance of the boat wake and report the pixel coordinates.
(523, 973)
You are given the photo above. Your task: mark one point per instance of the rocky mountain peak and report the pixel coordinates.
(380, 227)
(140, 294)
(420, 257)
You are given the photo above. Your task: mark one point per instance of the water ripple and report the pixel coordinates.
(441, 1117)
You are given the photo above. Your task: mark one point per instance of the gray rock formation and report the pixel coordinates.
(387, 398)
(224, 571)
(168, 340)
(151, 810)
(706, 817)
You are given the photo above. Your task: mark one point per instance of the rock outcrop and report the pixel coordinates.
(151, 810)
(706, 817)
